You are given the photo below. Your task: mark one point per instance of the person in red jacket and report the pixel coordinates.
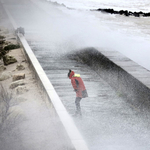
(79, 88)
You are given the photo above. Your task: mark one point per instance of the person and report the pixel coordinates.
(79, 88)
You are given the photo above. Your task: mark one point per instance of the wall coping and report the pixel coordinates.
(134, 69)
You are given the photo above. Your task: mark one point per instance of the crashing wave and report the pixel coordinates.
(57, 4)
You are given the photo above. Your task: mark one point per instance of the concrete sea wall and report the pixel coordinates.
(129, 79)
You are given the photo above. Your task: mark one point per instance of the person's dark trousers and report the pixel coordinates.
(78, 108)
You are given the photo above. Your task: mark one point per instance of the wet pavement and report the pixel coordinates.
(108, 122)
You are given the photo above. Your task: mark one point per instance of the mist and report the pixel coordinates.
(63, 30)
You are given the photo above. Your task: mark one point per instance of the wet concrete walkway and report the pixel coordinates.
(108, 121)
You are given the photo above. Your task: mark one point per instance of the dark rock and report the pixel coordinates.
(11, 46)
(136, 14)
(124, 12)
(147, 14)
(130, 13)
(121, 12)
(18, 76)
(9, 60)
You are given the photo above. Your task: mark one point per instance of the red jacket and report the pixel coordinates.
(78, 85)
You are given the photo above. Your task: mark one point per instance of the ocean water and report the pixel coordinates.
(134, 5)
(128, 35)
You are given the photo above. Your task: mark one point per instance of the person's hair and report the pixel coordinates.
(69, 72)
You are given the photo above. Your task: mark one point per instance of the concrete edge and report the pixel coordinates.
(137, 71)
(50, 93)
